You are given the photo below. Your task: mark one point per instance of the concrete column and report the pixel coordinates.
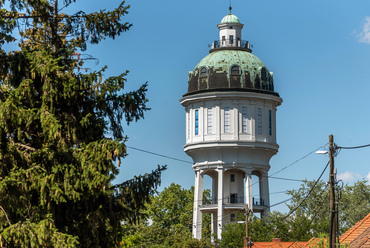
(220, 212)
(264, 193)
(248, 189)
(213, 225)
(214, 190)
(198, 200)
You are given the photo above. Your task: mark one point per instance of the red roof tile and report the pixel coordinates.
(360, 230)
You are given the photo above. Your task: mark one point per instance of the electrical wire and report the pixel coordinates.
(353, 147)
(304, 199)
(286, 179)
(160, 155)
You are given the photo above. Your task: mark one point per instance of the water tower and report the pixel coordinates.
(230, 127)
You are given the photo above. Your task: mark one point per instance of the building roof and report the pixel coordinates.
(218, 67)
(230, 18)
(359, 234)
(277, 243)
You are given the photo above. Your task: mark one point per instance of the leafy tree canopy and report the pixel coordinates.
(169, 221)
(57, 163)
(311, 217)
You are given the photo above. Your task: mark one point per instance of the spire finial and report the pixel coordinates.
(230, 6)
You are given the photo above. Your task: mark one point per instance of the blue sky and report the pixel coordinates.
(319, 52)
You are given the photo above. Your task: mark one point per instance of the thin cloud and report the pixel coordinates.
(364, 36)
(368, 178)
(350, 176)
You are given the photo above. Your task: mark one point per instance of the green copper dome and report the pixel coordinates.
(235, 70)
(230, 18)
(223, 59)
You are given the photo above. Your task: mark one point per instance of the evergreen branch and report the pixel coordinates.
(27, 148)
(6, 216)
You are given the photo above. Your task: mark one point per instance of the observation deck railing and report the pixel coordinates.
(230, 43)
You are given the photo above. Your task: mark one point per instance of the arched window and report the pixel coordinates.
(263, 74)
(235, 70)
(203, 72)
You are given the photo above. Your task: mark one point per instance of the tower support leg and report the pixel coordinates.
(198, 200)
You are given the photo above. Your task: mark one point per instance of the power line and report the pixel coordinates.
(298, 160)
(286, 179)
(160, 155)
(280, 202)
(304, 199)
(353, 147)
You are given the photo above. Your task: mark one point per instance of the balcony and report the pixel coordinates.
(231, 43)
(233, 199)
(258, 202)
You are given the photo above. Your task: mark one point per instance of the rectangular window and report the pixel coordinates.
(232, 217)
(244, 120)
(259, 121)
(226, 120)
(270, 128)
(223, 40)
(231, 39)
(188, 125)
(209, 120)
(196, 122)
(232, 178)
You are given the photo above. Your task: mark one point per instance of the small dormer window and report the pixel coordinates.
(230, 27)
(263, 74)
(203, 72)
(235, 70)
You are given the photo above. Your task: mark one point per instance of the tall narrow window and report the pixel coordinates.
(209, 120)
(232, 178)
(231, 39)
(244, 120)
(226, 120)
(259, 121)
(196, 122)
(223, 40)
(188, 125)
(263, 74)
(270, 127)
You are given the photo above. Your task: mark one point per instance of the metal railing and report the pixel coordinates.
(226, 200)
(231, 43)
(233, 199)
(258, 202)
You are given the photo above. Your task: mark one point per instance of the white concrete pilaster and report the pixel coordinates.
(198, 198)
(248, 189)
(220, 212)
(265, 193)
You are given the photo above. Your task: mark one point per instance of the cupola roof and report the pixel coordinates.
(231, 66)
(230, 18)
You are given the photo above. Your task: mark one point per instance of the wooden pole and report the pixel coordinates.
(333, 226)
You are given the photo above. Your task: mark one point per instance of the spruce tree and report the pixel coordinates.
(61, 134)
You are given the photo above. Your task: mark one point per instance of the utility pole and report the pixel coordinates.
(247, 240)
(333, 225)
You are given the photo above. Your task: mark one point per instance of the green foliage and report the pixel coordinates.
(171, 216)
(310, 219)
(233, 235)
(56, 162)
(354, 205)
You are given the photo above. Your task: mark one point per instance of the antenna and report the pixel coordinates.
(230, 6)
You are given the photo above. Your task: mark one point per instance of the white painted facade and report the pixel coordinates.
(221, 154)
